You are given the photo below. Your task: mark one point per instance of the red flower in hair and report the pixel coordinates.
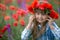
(47, 5)
(41, 7)
(31, 9)
(35, 4)
(53, 14)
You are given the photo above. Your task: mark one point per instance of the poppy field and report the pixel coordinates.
(14, 17)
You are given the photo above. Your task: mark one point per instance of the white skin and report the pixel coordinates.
(40, 18)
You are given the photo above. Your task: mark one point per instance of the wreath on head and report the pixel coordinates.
(46, 7)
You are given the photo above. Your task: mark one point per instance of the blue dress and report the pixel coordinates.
(48, 35)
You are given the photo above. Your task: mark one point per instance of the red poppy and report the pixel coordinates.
(47, 5)
(21, 12)
(4, 29)
(18, 12)
(35, 4)
(41, 7)
(22, 22)
(3, 7)
(15, 17)
(12, 7)
(7, 18)
(31, 9)
(54, 14)
(15, 23)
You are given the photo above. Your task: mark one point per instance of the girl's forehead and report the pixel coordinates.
(38, 10)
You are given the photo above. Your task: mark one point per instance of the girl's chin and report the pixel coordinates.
(40, 21)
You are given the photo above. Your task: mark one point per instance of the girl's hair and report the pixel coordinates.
(35, 32)
(38, 33)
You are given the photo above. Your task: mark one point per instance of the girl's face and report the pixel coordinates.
(41, 17)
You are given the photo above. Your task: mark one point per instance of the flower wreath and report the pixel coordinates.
(46, 7)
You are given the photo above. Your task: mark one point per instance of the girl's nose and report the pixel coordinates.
(40, 16)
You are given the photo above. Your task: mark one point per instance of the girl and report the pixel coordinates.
(41, 24)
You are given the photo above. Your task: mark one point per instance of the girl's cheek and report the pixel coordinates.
(36, 17)
(44, 17)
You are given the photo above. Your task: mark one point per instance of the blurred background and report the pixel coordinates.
(11, 23)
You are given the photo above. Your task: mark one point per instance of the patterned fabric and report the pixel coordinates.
(48, 35)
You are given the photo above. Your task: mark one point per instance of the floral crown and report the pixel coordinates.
(46, 7)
